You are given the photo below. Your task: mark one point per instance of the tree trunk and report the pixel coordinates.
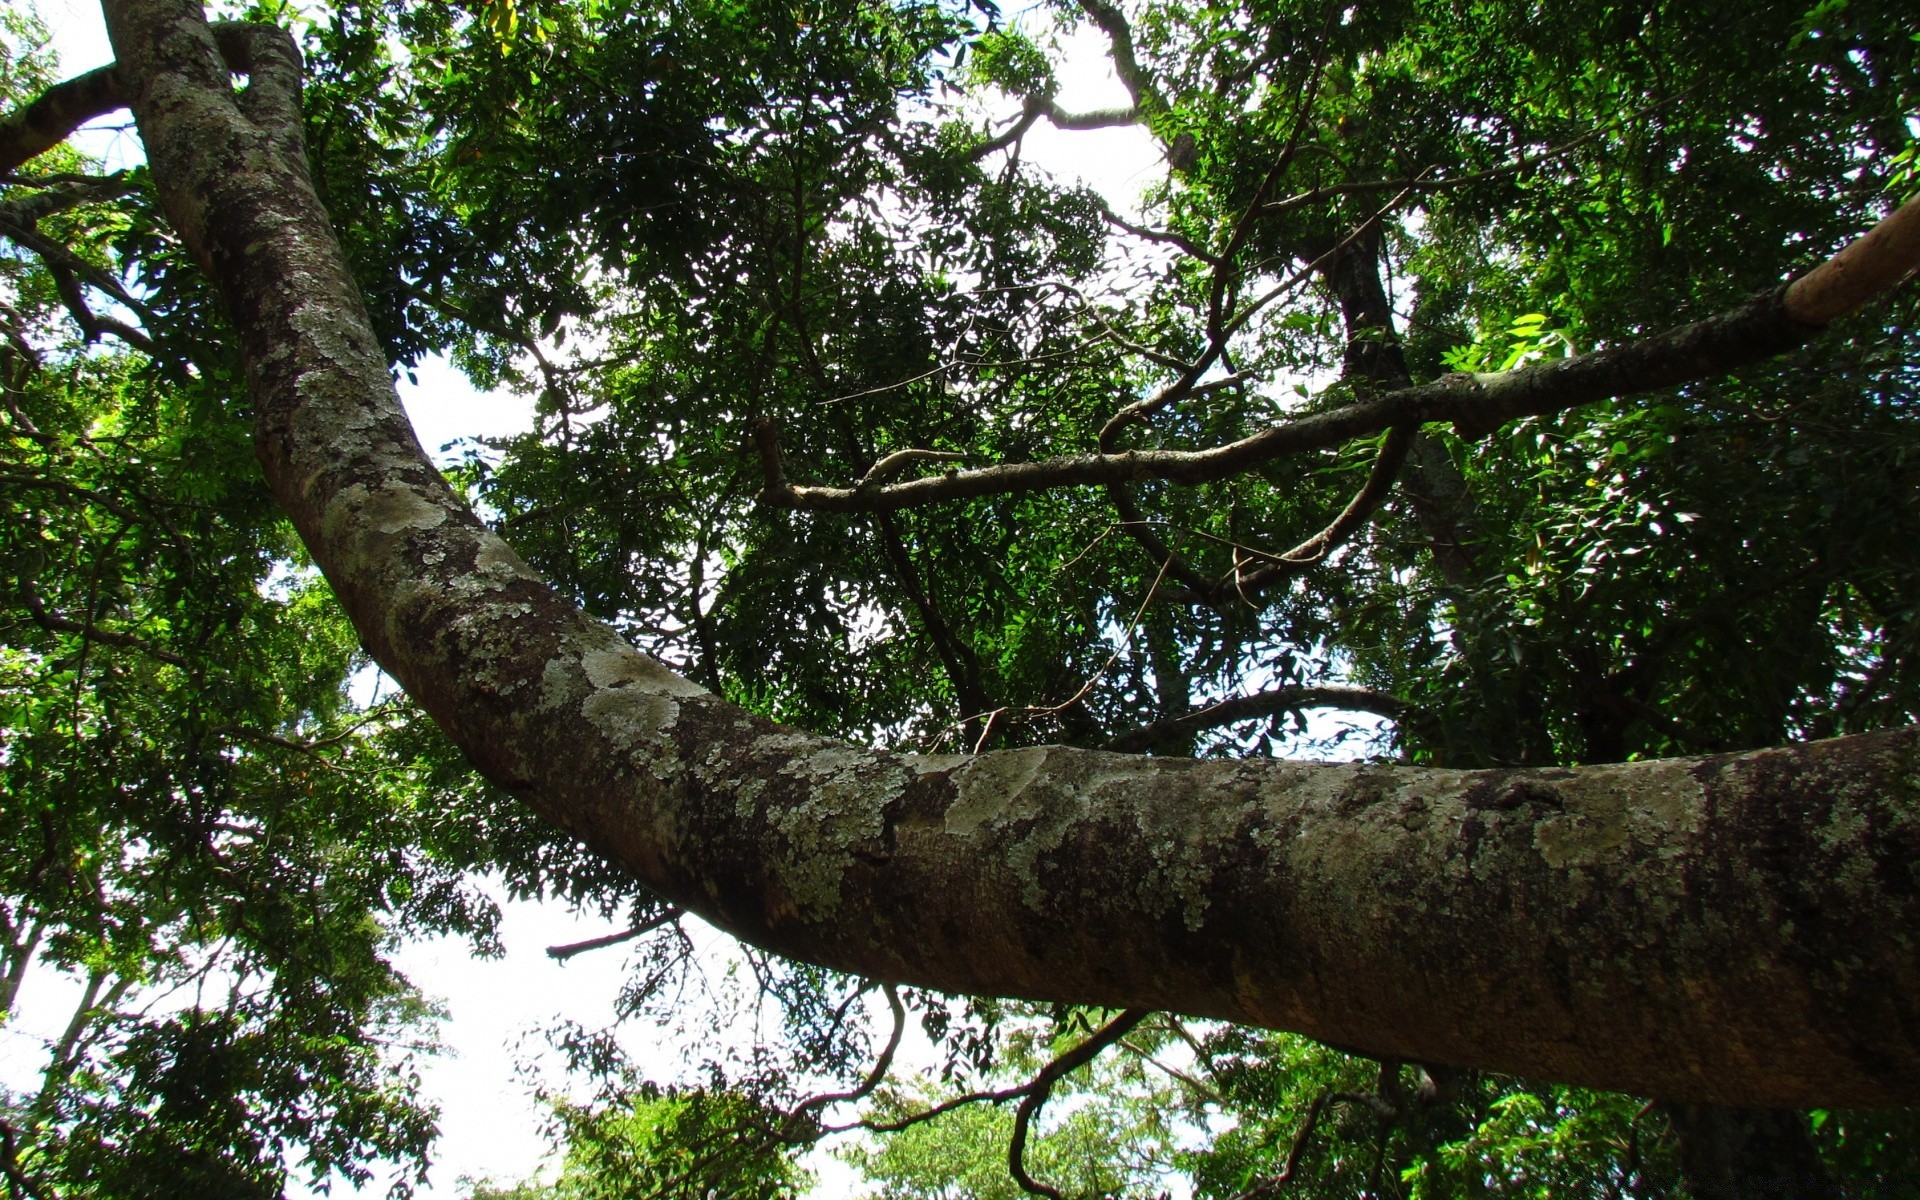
(1739, 928)
(1749, 1154)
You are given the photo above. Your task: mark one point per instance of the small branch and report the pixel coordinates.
(265, 738)
(1273, 1183)
(54, 623)
(91, 324)
(26, 133)
(1126, 640)
(1259, 705)
(1359, 510)
(1042, 1087)
(894, 463)
(1163, 237)
(1200, 1086)
(565, 952)
(881, 1066)
(1475, 404)
(1217, 326)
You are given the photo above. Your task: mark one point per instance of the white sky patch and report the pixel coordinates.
(446, 408)
(1116, 162)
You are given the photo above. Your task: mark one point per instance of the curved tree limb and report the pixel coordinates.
(29, 132)
(1126, 62)
(795, 1127)
(1035, 107)
(1739, 928)
(1041, 1088)
(1352, 518)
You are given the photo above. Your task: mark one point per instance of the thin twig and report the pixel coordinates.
(1042, 1087)
(1259, 705)
(569, 950)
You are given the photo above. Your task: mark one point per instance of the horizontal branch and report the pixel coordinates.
(1258, 705)
(1476, 404)
(571, 949)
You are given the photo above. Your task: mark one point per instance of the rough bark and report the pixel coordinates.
(1733, 929)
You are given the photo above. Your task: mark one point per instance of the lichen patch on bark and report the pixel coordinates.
(1612, 812)
(988, 789)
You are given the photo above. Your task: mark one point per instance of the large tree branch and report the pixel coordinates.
(29, 132)
(1739, 928)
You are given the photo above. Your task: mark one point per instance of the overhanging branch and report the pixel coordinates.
(1740, 929)
(1476, 404)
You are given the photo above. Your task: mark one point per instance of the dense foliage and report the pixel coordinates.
(679, 227)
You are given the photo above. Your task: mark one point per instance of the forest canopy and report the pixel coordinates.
(1514, 381)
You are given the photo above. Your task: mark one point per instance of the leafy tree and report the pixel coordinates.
(1386, 402)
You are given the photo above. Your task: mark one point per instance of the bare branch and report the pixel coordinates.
(565, 952)
(1259, 705)
(1476, 404)
(54, 623)
(51, 118)
(1042, 1087)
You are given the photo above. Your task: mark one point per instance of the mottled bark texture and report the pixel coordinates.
(1735, 929)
